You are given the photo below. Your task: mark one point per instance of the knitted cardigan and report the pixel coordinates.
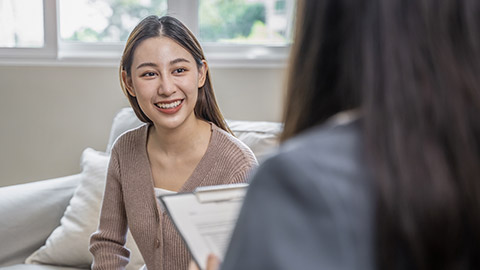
(129, 201)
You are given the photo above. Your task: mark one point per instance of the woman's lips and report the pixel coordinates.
(169, 107)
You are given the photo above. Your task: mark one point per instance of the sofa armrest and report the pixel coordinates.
(29, 213)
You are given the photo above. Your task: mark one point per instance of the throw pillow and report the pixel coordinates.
(68, 243)
(260, 136)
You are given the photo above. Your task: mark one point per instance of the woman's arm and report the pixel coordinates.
(242, 175)
(107, 244)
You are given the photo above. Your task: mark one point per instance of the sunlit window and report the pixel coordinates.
(19, 26)
(104, 20)
(246, 21)
(280, 6)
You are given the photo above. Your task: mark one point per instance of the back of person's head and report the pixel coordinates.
(412, 68)
(153, 26)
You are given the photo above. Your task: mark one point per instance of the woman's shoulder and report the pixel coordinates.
(326, 139)
(340, 135)
(326, 163)
(225, 144)
(131, 139)
(331, 157)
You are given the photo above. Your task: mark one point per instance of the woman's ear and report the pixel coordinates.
(127, 81)
(202, 74)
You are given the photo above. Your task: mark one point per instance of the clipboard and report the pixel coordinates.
(206, 218)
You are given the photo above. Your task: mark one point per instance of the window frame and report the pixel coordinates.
(58, 52)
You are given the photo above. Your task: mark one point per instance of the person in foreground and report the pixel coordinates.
(184, 144)
(380, 162)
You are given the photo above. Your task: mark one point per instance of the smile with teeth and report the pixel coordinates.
(170, 105)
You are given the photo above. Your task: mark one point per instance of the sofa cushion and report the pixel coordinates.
(42, 202)
(123, 121)
(68, 243)
(260, 136)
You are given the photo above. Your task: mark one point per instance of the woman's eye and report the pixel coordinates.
(148, 74)
(179, 70)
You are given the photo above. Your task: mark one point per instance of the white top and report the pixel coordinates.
(161, 191)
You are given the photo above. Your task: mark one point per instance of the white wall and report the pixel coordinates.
(48, 115)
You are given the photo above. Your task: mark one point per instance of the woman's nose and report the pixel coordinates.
(167, 86)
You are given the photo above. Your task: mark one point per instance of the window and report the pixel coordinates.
(243, 22)
(280, 6)
(27, 33)
(102, 20)
(21, 27)
(232, 32)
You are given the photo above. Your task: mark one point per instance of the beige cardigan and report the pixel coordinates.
(129, 200)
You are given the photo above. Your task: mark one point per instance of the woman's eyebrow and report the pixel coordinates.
(178, 60)
(173, 62)
(147, 64)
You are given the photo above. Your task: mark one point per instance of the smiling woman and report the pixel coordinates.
(168, 85)
(184, 144)
(183, 40)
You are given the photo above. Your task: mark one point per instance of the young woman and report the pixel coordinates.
(184, 144)
(380, 166)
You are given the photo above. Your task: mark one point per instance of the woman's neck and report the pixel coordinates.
(181, 140)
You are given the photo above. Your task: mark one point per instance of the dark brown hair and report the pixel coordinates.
(206, 107)
(412, 68)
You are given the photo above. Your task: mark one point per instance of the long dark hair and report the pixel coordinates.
(153, 26)
(412, 68)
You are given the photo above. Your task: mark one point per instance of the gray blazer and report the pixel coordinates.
(309, 206)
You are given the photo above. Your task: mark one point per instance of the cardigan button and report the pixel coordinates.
(157, 243)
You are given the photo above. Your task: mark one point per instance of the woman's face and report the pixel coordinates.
(165, 80)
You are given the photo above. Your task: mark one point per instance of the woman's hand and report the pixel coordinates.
(213, 263)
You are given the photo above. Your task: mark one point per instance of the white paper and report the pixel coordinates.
(206, 219)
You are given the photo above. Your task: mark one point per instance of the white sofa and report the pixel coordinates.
(35, 217)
